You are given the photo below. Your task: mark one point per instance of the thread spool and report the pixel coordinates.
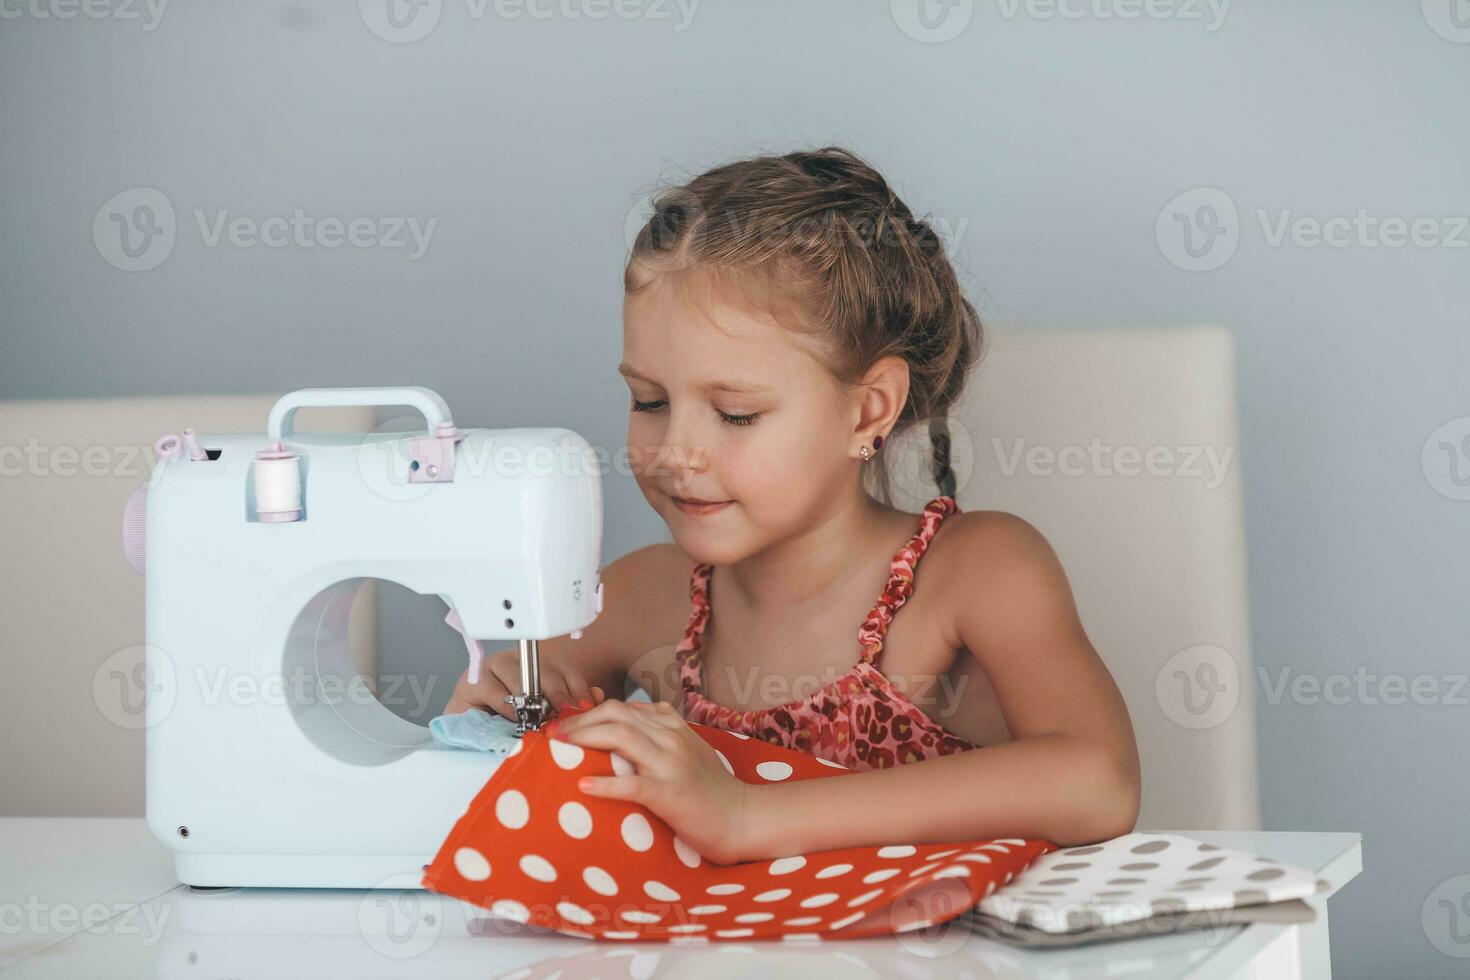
(277, 484)
(196, 451)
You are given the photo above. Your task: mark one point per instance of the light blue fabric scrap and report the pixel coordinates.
(475, 729)
(482, 731)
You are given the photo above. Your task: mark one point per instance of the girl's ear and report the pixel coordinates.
(881, 396)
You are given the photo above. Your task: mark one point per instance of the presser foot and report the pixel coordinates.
(532, 711)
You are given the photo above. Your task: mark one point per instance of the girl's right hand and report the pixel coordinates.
(500, 677)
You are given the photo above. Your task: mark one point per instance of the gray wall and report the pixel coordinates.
(1048, 147)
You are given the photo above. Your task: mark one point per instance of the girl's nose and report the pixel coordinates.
(682, 452)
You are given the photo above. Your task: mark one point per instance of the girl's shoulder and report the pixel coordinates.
(992, 559)
(995, 530)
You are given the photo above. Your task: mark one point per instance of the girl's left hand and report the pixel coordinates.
(678, 776)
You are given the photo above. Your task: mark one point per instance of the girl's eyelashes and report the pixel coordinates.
(653, 406)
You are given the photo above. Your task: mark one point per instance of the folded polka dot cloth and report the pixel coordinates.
(534, 848)
(1140, 875)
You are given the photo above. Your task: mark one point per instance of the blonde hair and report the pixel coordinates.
(823, 237)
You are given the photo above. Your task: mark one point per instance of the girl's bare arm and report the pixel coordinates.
(1071, 774)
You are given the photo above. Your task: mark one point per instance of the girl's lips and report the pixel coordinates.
(699, 509)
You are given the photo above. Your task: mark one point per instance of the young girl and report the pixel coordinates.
(784, 316)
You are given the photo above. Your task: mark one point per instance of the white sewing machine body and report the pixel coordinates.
(269, 760)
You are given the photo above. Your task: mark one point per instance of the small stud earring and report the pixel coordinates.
(877, 443)
(865, 453)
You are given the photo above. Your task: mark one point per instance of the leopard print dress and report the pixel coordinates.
(861, 720)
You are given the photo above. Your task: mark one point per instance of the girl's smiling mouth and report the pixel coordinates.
(699, 508)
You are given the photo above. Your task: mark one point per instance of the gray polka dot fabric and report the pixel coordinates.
(1138, 876)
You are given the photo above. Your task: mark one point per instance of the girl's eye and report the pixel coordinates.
(654, 406)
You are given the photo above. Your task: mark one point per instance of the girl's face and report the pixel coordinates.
(729, 407)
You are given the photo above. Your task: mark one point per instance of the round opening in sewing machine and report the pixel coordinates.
(403, 648)
(368, 662)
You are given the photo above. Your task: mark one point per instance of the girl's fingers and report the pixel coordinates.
(620, 737)
(629, 787)
(662, 706)
(659, 713)
(576, 686)
(487, 694)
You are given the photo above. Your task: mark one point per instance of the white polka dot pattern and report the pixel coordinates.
(1138, 876)
(512, 810)
(637, 832)
(596, 867)
(575, 819)
(471, 864)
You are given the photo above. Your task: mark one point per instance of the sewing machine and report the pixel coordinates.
(270, 762)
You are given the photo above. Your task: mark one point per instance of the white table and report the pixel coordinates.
(97, 897)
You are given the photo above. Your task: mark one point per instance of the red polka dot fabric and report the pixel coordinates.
(534, 848)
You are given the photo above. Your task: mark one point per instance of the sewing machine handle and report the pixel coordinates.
(432, 407)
